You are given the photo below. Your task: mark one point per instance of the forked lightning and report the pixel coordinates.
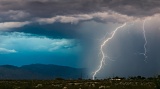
(145, 44)
(101, 49)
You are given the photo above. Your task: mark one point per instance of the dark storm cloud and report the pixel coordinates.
(13, 10)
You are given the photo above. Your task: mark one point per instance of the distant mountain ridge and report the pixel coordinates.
(40, 71)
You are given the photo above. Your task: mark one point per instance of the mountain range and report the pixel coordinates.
(40, 71)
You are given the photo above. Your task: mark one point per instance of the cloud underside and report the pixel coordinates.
(103, 17)
(98, 16)
(73, 19)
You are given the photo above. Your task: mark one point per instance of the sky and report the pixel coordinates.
(70, 32)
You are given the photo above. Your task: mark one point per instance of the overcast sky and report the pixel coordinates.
(70, 32)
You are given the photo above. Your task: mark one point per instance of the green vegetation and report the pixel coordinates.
(59, 83)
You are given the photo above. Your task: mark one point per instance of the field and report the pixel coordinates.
(81, 84)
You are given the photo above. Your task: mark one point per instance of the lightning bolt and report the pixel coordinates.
(101, 49)
(145, 44)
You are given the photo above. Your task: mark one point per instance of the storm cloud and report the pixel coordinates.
(22, 10)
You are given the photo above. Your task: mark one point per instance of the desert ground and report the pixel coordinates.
(116, 83)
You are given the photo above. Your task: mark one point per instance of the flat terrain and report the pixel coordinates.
(80, 84)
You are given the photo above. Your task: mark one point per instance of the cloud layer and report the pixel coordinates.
(99, 16)
(7, 51)
(10, 25)
(29, 42)
(32, 9)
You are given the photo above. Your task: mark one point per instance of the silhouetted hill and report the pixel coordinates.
(40, 71)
